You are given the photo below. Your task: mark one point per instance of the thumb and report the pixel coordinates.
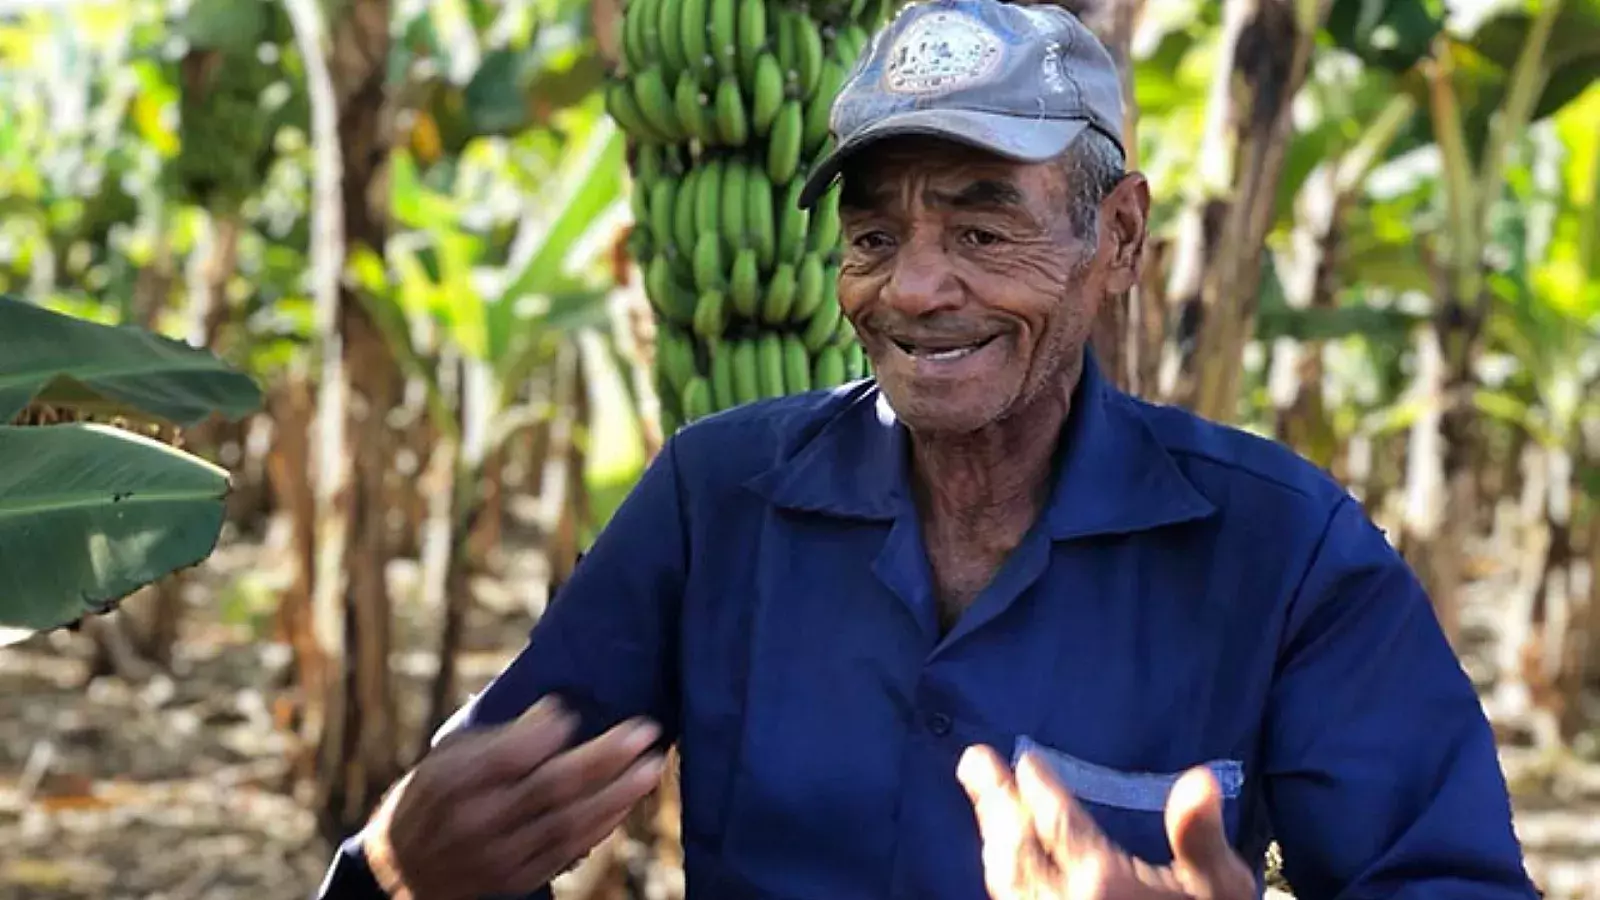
(1201, 854)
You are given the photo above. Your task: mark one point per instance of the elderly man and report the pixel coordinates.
(982, 625)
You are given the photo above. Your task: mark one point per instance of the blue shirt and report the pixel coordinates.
(1190, 595)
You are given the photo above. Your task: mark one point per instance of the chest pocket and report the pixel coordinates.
(1130, 807)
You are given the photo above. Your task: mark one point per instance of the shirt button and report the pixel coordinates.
(939, 724)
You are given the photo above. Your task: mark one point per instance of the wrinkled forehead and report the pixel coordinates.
(911, 170)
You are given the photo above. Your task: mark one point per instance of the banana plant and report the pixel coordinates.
(474, 322)
(89, 513)
(1547, 320)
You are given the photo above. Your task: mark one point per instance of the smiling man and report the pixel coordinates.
(983, 624)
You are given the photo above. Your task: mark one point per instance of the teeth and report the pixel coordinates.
(944, 355)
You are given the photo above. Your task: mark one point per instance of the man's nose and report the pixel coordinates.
(923, 280)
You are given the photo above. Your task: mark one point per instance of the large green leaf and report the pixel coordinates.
(589, 182)
(1389, 34)
(68, 362)
(89, 514)
(1483, 62)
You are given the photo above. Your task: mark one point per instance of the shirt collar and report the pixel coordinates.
(1114, 476)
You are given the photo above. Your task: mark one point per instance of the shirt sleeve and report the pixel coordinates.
(1382, 777)
(607, 645)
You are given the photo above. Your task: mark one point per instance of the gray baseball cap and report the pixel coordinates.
(1019, 81)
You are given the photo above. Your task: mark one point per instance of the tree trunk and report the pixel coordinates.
(358, 744)
(1262, 62)
(293, 409)
(1311, 281)
(1426, 538)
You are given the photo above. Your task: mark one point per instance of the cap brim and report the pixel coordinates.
(1020, 140)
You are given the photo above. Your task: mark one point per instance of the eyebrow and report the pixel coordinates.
(978, 194)
(985, 193)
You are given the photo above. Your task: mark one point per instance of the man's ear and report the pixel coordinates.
(1124, 217)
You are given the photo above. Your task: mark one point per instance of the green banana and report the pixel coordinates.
(758, 216)
(697, 399)
(711, 316)
(722, 376)
(708, 262)
(744, 284)
(820, 327)
(675, 357)
(687, 102)
(858, 39)
(814, 129)
(777, 306)
(732, 221)
(649, 162)
(708, 198)
(683, 230)
(766, 94)
(656, 104)
(667, 296)
(844, 333)
(724, 34)
(649, 32)
(796, 366)
(808, 56)
(661, 200)
(829, 368)
(824, 233)
(784, 144)
(879, 12)
(639, 204)
(732, 125)
(693, 32)
(633, 35)
(792, 224)
(783, 43)
(855, 362)
(669, 22)
(769, 364)
(752, 37)
(746, 383)
(622, 106)
(810, 288)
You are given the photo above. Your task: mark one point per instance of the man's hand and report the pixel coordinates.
(1039, 844)
(505, 810)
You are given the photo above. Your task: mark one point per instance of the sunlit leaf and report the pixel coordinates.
(89, 514)
(57, 359)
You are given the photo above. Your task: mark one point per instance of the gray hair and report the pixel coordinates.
(1093, 166)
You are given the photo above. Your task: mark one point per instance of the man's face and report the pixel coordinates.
(963, 277)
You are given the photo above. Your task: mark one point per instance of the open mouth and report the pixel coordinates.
(942, 350)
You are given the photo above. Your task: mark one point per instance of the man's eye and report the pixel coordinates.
(979, 237)
(871, 241)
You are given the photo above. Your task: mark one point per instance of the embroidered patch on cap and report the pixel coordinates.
(941, 52)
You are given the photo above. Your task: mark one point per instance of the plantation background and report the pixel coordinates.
(1376, 240)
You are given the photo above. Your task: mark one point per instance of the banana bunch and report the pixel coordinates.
(725, 104)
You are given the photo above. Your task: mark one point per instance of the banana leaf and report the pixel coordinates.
(104, 370)
(1389, 34)
(89, 514)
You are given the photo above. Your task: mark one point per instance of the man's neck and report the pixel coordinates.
(998, 477)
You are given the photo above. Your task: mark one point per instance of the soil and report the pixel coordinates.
(174, 787)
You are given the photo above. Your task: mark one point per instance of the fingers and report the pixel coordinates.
(1010, 859)
(584, 770)
(994, 797)
(524, 745)
(1059, 823)
(1203, 860)
(552, 842)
